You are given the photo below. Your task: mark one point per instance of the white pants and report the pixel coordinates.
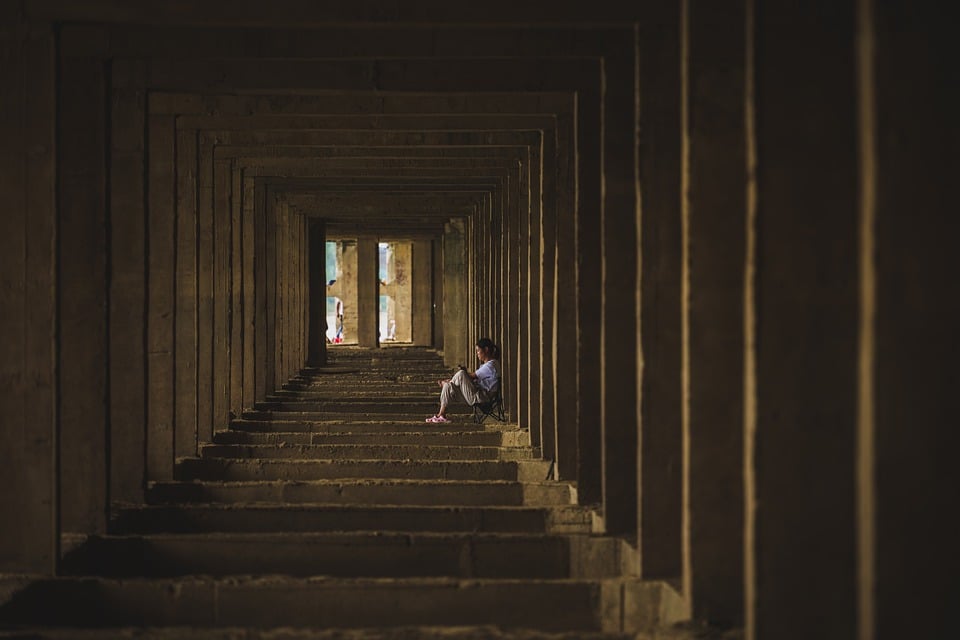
(461, 387)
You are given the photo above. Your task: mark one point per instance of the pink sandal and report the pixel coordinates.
(437, 419)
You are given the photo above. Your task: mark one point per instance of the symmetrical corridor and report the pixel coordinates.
(714, 242)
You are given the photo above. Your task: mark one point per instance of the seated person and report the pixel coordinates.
(471, 387)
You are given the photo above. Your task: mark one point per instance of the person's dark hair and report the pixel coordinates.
(487, 344)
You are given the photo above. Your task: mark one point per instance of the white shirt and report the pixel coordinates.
(487, 375)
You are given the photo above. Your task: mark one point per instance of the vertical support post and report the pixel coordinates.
(30, 535)
(618, 337)
(454, 294)
(317, 343)
(422, 307)
(368, 292)
(128, 286)
(661, 467)
(802, 484)
(909, 313)
(714, 254)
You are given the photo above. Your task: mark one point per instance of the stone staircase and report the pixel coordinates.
(332, 510)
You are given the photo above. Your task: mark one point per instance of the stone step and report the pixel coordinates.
(364, 394)
(288, 469)
(365, 452)
(381, 405)
(364, 426)
(264, 518)
(356, 554)
(265, 602)
(514, 438)
(458, 415)
(364, 491)
(460, 632)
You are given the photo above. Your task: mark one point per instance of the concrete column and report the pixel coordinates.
(249, 283)
(161, 230)
(368, 292)
(317, 344)
(185, 357)
(349, 266)
(589, 477)
(422, 307)
(565, 294)
(715, 252)
(236, 291)
(437, 293)
(270, 264)
(128, 290)
(29, 538)
(222, 234)
(454, 294)
(205, 290)
(545, 292)
(83, 298)
(618, 345)
(804, 314)
(909, 314)
(400, 289)
(661, 465)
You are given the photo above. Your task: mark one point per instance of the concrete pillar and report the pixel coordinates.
(714, 252)
(437, 293)
(661, 465)
(236, 291)
(161, 229)
(206, 219)
(909, 314)
(249, 281)
(545, 291)
(399, 288)
(29, 538)
(618, 337)
(368, 292)
(803, 314)
(422, 307)
(565, 294)
(454, 294)
(128, 290)
(589, 476)
(270, 261)
(222, 235)
(317, 344)
(82, 289)
(349, 266)
(185, 356)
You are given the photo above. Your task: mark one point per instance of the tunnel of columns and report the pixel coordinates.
(711, 241)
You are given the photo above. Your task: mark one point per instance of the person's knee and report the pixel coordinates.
(458, 376)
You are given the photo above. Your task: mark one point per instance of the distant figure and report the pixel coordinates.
(471, 387)
(339, 337)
